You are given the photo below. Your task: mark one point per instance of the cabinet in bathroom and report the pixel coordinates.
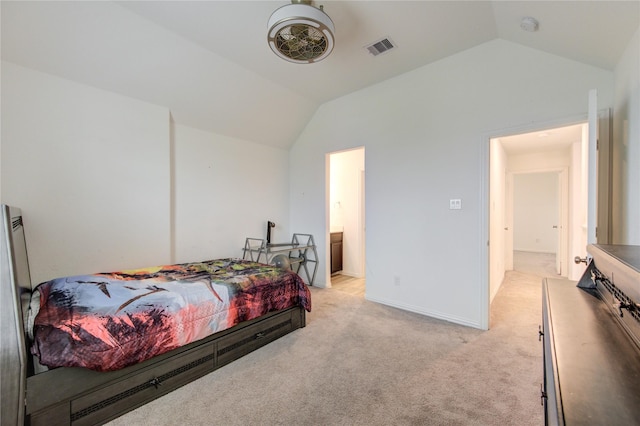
(336, 252)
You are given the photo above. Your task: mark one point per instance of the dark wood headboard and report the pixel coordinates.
(15, 291)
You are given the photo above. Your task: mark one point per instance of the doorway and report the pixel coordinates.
(346, 211)
(539, 241)
(588, 197)
(536, 182)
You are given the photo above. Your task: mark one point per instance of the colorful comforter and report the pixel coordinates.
(108, 321)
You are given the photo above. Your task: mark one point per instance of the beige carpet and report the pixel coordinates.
(361, 363)
(543, 264)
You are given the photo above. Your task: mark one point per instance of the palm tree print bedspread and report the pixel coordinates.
(108, 321)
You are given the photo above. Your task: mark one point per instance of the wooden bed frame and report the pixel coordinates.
(77, 396)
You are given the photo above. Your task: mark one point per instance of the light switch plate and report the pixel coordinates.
(455, 204)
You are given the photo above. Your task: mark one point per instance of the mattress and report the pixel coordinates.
(108, 321)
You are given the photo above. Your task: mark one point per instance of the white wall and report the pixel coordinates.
(423, 134)
(344, 207)
(535, 212)
(90, 171)
(106, 182)
(225, 191)
(626, 147)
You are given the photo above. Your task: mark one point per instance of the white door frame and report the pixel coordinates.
(485, 168)
(357, 237)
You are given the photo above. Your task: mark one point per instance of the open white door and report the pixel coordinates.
(558, 226)
(599, 173)
(599, 180)
(596, 178)
(564, 222)
(592, 170)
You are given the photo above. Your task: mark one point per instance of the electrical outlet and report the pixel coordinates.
(455, 204)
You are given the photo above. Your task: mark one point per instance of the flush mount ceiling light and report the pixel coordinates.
(529, 24)
(301, 33)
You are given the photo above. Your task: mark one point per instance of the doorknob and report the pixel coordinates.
(555, 226)
(506, 228)
(578, 260)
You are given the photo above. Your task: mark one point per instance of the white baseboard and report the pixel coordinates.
(431, 314)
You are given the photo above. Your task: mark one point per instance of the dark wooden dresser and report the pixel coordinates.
(591, 335)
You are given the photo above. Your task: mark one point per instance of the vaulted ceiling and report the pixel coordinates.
(209, 62)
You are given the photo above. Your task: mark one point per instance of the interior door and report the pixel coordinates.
(558, 226)
(604, 191)
(596, 178)
(507, 208)
(599, 173)
(592, 169)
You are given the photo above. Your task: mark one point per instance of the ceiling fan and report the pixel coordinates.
(301, 33)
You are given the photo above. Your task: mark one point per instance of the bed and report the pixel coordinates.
(85, 349)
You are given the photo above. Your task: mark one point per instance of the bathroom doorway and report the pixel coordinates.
(347, 220)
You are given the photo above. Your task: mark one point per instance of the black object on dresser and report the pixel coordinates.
(591, 335)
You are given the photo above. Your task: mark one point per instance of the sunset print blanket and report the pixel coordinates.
(108, 321)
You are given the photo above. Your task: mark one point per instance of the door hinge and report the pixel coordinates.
(540, 333)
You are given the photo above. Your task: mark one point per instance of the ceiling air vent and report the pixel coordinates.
(381, 46)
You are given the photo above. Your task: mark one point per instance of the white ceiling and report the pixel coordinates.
(543, 140)
(209, 62)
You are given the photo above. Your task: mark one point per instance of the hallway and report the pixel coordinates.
(541, 264)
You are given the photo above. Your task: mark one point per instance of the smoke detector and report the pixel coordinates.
(301, 33)
(529, 24)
